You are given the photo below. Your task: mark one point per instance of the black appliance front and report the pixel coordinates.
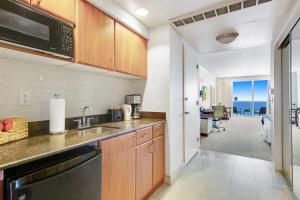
(76, 178)
(23, 25)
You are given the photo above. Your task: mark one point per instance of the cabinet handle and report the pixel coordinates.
(38, 2)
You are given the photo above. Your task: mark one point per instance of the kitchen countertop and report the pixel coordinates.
(34, 148)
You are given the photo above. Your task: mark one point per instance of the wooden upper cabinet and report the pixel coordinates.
(130, 52)
(140, 56)
(65, 9)
(158, 161)
(123, 49)
(94, 37)
(119, 167)
(144, 167)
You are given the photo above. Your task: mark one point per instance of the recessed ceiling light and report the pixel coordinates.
(141, 12)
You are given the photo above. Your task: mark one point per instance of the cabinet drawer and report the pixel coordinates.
(143, 135)
(158, 130)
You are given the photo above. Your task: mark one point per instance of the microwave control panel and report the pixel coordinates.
(67, 41)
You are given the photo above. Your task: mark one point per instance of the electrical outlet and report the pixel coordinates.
(25, 98)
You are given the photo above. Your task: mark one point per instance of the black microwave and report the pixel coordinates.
(25, 26)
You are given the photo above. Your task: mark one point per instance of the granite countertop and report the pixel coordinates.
(33, 148)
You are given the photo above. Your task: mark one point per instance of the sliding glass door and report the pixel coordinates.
(260, 97)
(242, 98)
(250, 97)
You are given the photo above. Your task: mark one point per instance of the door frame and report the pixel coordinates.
(285, 44)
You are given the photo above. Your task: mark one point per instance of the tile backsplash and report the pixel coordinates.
(43, 81)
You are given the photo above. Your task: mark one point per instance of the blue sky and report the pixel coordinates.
(243, 90)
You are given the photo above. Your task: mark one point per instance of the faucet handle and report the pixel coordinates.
(89, 120)
(78, 122)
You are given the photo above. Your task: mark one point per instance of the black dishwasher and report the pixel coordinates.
(73, 175)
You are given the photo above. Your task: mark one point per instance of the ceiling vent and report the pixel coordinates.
(249, 3)
(222, 10)
(188, 20)
(178, 23)
(263, 1)
(198, 17)
(235, 7)
(210, 14)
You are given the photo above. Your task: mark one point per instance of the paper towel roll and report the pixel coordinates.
(57, 115)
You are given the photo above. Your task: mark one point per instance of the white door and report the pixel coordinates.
(191, 107)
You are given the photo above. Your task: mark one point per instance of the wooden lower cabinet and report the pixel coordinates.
(158, 161)
(119, 167)
(133, 165)
(144, 168)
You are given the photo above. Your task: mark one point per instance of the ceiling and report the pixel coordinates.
(235, 63)
(160, 11)
(255, 25)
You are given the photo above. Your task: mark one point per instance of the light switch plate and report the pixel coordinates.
(25, 98)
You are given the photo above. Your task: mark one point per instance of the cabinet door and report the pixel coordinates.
(140, 56)
(144, 169)
(118, 167)
(158, 161)
(123, 49)
(95, 37)
(158, 130)
(64, 9)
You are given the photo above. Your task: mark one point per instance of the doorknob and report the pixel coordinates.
(186, 99)
(186, 113)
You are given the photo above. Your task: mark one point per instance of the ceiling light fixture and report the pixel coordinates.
(142, 12)
(227, 38)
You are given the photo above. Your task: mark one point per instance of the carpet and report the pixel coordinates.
(243, 137)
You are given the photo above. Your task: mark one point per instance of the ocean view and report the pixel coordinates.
(246, 106)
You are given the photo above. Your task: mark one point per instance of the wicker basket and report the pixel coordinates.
(18, 131)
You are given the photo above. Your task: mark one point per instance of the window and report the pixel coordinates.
(250, 97)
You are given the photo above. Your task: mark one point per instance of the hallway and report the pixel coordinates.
(217, 176)
(242, 137)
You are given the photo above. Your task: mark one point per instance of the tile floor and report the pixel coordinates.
(217, 176)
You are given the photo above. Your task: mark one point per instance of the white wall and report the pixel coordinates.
(206, 79)
(176, 103)
(156, 90)
(163, 91)
(78, 88)
(224, 87)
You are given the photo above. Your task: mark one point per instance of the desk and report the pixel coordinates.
(206, 126)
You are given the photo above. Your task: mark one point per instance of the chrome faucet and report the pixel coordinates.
(86, 122)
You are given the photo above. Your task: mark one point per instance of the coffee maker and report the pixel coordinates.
(135, 100)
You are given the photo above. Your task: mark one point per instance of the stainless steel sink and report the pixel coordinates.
(99, 129)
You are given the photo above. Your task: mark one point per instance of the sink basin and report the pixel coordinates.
(99, 129)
